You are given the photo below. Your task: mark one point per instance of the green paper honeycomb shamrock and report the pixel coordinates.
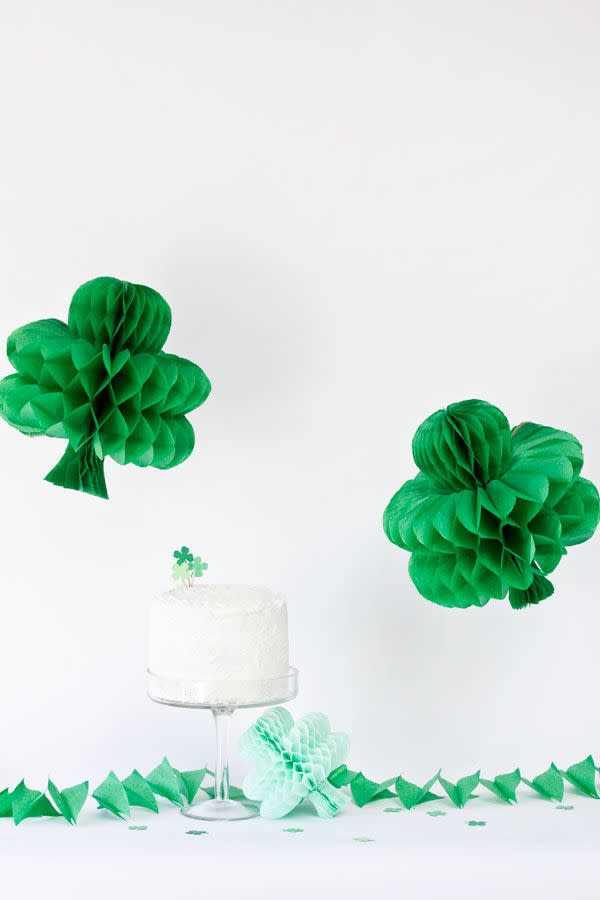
(492, 511)
(103, 383)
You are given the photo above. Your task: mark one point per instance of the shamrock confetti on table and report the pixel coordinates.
(492, 511)
(103, 383)
(293, 830)
(291, 762)
(475, 823)
(188, 567)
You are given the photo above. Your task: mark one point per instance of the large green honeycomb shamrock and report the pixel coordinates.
(492, 511)
(103, 383)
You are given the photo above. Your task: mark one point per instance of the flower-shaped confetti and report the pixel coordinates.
(103, 383)
(292, 762)
(491, 511)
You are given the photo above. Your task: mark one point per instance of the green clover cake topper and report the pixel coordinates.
(104, 384)
(187, 566)
(492, 511)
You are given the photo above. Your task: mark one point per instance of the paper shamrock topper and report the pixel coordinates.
(292, 762)
(104, 384)
(492, 511)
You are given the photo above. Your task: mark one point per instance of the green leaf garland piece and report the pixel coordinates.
(411, 795)
(69, 802)
(111, 795)
(582, 775)
(504, 786)
(5, 804)
(190, 783)
(341, 776)
(549, 784)
(491, 511)
(27, 804)
(164, 781)
(461, 792)
(292, 761)
(365, 791)
(103, 383)
(138, 791)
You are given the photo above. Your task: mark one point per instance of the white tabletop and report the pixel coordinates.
(534, 847)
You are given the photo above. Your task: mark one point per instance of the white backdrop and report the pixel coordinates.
(359, 212)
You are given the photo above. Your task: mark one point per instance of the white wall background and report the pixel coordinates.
(359, 212)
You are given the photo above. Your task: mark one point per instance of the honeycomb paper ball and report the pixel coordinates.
(291, 763)
(492, 511)
(104, 384)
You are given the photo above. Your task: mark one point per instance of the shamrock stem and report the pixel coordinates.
(80, 470)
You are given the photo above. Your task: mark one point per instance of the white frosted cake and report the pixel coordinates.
(212, 643)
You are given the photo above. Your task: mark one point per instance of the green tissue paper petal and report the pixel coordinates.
(164, 781)
(292, 762)
(104, 384)
(112, 796)
(492, 511)
(27, 804)
(504, 786)
(139, 792)
(411, 795)
(69, 802)
(582, 775)
(461, 792)
(549, 784)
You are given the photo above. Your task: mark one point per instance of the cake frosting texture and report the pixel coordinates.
(208, 643)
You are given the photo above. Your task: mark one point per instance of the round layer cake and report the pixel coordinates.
(218, 643)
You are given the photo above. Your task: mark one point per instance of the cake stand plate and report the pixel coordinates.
(222, 698)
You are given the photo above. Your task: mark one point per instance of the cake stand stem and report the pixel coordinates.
(222, 716)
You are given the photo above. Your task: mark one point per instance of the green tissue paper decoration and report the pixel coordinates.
(103, 383)
(491, 511)
(292, 762)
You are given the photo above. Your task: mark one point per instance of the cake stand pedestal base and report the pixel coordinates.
(268, 692)
(221, 810)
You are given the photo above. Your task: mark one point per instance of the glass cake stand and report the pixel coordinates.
(222, 698)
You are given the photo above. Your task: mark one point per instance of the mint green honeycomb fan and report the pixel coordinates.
(291, 763)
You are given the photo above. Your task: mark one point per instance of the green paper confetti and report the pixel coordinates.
(27, 804)
(411, 795)
(293, 830)
(137, 827)
(111, 795)
(139, 792)
(434, 813)
(504, 786)
(549, 784)
(582, 775)
(104, 384)
(475, 823)
(564, 807)
(69, 802)
(363, 840)
(461, 792)
(492, 511)
(164, 781)
(292, 761)
(392, 809)
(196, 831)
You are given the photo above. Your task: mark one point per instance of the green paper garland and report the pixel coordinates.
(492, 511)
(104, 384)
(181, 788)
